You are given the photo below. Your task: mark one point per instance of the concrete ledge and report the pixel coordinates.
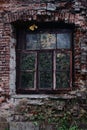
(32, 96)
(43, 96)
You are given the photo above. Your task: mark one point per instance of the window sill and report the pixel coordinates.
(43, 96)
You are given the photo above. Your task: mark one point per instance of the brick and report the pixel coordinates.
(20, 10)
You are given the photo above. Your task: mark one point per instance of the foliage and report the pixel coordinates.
(66, 123)
(63, 116)
(6, 128)
(71, 128)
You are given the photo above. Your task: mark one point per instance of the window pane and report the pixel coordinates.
(45, 79)
(27, 80)
(48, 41)
(28, 61)
(32, 41)
(45, 61)
(62, 61)
(64, 40)
(62, 79)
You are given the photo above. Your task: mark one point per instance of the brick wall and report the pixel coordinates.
(71, 12)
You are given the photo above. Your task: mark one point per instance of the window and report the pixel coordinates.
(44, 60)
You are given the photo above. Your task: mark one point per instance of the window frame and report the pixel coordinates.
(36, 89)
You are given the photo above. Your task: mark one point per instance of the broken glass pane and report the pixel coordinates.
(45, 79)
(64, 40)
(62, 79)
(63, 61)
(45, 61)
(48, 41)
(27, 80)
(28, 61)
(32, 41)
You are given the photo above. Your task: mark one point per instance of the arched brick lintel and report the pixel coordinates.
(39, 15)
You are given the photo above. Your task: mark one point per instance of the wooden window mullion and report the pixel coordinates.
(54, 70)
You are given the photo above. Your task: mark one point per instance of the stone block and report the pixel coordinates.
(23, 126)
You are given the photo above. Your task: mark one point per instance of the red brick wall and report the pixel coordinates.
(4, 56)
(69, 12)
